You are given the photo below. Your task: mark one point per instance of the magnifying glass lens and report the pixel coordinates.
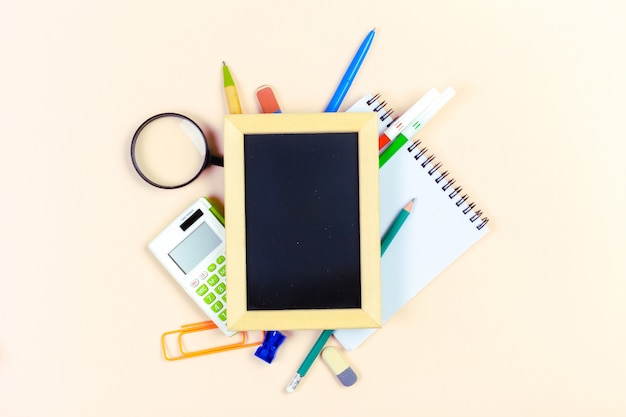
(170, 151)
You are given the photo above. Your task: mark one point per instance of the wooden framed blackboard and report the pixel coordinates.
(302, 221)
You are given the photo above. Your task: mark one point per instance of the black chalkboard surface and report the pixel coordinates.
(302, 223)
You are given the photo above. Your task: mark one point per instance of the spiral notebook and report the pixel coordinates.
(372, 102)
(443, 224)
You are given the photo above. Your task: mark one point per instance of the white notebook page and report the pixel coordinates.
(435, 234)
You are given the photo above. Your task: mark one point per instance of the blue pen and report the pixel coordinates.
(348, 77)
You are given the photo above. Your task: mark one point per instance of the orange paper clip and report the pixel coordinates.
(200, 327)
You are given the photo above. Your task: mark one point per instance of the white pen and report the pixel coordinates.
(417, 123)
(403, 121)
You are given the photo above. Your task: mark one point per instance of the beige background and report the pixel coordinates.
(530, 321)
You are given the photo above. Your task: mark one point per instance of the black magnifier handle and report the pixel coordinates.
(215, 160)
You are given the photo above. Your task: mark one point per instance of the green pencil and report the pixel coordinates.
(395, 226)
(310, 358)
(321, 341)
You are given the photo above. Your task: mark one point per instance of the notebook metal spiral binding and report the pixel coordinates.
(452, 194)
(381, 106)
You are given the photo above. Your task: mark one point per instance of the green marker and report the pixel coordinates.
(395, 226)
(417, 124)
(396, 144)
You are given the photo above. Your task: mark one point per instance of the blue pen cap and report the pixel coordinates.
(272, 340)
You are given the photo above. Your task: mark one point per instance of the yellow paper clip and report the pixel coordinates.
(200, 327)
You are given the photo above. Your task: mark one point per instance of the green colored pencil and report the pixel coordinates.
(395, 226)
(310, 358)
(325, 335)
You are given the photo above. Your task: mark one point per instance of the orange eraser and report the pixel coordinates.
(267, 99)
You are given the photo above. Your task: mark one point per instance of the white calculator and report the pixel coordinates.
(193, 251)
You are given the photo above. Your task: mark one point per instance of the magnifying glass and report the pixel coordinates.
(169, 151)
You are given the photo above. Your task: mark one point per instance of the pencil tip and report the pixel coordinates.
(409, 205)
(223, 63)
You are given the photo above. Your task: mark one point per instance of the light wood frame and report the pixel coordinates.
(365, 125)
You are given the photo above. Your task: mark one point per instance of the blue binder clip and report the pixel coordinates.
(272, 340)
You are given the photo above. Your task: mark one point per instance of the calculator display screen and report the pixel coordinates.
(195, 247)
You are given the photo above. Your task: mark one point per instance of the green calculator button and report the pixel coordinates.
(203, 289)
(222, 271)
(217, 306)
(224, 298)
(213, 280)
(220, 289)
(209, 298)
(221, 259)
(212, 267)
(222, 315)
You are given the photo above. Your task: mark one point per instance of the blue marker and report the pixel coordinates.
(348, 77)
